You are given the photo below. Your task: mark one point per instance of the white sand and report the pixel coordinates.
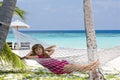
(112, 67)
(109, 58)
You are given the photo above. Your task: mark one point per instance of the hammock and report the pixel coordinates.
(70, 54)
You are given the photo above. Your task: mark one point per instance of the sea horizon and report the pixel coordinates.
(76, 38)
(97, 31)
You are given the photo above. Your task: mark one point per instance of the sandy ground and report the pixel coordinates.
(109, 58)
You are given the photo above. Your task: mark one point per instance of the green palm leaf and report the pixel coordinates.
(10, 58)
(21, 13)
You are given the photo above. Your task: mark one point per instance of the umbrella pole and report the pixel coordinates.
(17, 28)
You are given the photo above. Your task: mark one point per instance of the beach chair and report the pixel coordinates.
(10, 44)
(25, 45)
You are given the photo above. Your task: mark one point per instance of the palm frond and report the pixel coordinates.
(10, 58)
(19, 12)
(0, 3)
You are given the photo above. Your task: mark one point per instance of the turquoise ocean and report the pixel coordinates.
(72, 38)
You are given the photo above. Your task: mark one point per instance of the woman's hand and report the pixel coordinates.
(24, 57)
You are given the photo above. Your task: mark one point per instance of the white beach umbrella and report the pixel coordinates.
(18, 24)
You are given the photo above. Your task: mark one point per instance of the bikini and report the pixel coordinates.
(54, 65)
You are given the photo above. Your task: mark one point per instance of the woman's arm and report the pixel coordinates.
(50, 47)
(49, 51)
(29, 56)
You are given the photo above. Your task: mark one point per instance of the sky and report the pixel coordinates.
(68, 14)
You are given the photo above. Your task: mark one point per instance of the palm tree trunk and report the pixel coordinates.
(6, 12)
(90, 37)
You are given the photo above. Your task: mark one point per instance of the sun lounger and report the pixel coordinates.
(24, 45)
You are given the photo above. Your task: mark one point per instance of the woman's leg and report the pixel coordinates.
(81, 68)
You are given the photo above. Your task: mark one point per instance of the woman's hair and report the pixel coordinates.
(35, 46)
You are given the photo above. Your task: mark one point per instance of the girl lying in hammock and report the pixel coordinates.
(54, 65)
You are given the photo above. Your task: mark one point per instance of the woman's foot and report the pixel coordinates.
(94, 65)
